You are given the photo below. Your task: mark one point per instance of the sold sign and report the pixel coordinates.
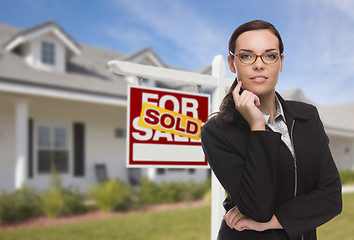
(168, 121)
(163, 128)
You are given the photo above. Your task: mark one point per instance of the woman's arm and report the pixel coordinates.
(309, 211)
(235, 219)
(249, 176)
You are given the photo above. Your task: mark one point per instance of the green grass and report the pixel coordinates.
(342, 226)
(190, 223)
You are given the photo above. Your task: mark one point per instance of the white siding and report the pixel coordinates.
(101, 145)
(7, 144)
(342, 149)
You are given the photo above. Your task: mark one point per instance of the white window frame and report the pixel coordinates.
(52, 147)
(48, 52)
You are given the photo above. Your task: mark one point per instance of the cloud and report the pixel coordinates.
(190, 37)
(345, 6)
(318, 56)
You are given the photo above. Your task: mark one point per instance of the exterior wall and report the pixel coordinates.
(33, 56)
(182, 175)
(177, 175)
(101, 145)
(7, 144)
(343, 152)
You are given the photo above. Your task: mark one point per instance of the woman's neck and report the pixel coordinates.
(268, 105)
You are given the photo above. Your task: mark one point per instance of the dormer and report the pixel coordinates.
(44, 47)
(148, 57)
(145, 56)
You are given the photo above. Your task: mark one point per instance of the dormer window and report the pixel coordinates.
(48, 53)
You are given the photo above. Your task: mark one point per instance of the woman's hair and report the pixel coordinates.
(228, 113)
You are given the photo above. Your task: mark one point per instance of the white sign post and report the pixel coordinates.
(218, 82)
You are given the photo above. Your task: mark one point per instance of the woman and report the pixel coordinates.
(270, 155)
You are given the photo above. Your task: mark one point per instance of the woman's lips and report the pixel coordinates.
(259, 79)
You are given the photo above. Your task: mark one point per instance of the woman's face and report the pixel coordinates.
(259, 78)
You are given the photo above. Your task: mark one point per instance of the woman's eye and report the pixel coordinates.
(245, 56)
(271, 56)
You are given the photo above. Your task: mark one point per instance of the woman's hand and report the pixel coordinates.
(235, 219)
(233, 216)
(247, 104)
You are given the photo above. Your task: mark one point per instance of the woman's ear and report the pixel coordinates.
(232, 64)
(281, 63)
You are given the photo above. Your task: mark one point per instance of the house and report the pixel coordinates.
(61, 106)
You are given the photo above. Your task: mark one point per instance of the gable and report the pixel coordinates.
(41, 30)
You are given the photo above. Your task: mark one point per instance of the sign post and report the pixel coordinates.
(217, 82)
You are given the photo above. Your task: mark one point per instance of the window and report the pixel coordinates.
(120, 133)
(52, 149)
(161, 171)
(48, 53)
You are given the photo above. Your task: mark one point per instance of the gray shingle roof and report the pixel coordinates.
(85, 73)
(339, 116)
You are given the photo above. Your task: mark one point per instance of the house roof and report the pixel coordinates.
(338, 117)
(86, 72)
(297, 95)
(47, 27)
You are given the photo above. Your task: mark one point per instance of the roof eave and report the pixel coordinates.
(28, 36)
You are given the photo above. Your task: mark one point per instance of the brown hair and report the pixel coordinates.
(228, 113)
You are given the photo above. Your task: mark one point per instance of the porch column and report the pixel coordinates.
(21, 131)
(151, 174)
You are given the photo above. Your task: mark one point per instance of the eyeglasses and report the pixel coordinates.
(250, 57)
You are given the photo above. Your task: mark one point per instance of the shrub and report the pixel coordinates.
(198, 190)
(148, 192)
(59, 201)
(347, 177)
(172, 192)
(111, 195)
(19, 205)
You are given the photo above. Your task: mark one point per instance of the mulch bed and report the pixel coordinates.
(45, 221)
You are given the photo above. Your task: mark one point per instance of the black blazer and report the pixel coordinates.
(262, 178)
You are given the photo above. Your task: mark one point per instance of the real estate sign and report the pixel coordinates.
(163, 128)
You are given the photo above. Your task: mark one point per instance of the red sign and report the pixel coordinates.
(163, 128)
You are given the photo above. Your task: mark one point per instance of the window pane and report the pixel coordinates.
(48, 53)
(61, 161)
(43, 136)
(44, 161)
(60, 137)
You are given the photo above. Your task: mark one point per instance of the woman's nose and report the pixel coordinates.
(258, 64)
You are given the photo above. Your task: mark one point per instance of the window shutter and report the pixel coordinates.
(30, 148)
(79, 149)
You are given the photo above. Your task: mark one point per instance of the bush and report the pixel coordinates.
(198, 190)
(347, 177)
(19, 205)
(172, 192)
(148, 192)
(151, 193)
(58, 201)
(112, 195)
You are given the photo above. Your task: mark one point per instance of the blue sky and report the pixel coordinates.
(318, 34)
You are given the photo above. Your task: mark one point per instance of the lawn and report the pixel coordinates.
(342, 226)
(192, 223)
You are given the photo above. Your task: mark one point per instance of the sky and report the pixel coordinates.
(318, 34)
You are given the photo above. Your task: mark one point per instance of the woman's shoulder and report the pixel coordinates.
(302, 109)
